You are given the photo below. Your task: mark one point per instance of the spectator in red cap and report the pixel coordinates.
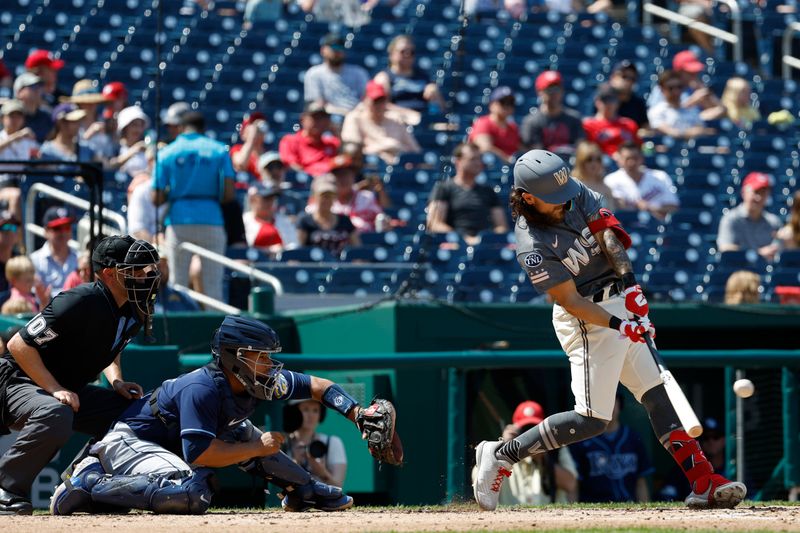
(116, 96)
(497, 132)
(265, 226)
(244, 155)
(551, 126)
(46, 66)
(607, 129)
(312, 149)
(671, 116)
(542, 479)
(748, 226)
(55, 260)
(694, 93)
(368, 125)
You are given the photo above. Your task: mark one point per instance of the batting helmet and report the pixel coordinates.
(237, 335)
(546, 176)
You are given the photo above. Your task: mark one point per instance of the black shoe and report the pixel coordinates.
(11, 503)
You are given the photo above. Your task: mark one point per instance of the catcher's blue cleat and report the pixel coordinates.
(316, 495)
(75, 494)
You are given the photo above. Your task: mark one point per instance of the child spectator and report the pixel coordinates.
(21, 276)
(266, 227)
(736, 98)
(742, 287)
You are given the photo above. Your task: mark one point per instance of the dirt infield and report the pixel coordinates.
(461, 518)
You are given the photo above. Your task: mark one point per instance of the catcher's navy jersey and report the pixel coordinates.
(80, 332)
(200, 406)
(554, 254)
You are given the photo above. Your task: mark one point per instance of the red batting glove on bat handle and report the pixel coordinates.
(632, 330)
(635, 302)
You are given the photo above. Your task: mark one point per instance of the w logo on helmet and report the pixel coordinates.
(561, 175)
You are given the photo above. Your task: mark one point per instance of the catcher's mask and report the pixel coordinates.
(244, 347)
(136, 264)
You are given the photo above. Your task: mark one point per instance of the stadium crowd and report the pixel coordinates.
(189, 187)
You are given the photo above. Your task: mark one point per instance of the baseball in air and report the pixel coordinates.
(743, 388)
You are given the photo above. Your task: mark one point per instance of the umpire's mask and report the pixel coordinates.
(136, 262)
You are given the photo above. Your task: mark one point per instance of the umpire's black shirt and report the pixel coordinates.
(79, 333)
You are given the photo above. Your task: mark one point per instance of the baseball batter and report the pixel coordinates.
(574, 251)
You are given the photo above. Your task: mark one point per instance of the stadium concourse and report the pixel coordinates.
(228, 70)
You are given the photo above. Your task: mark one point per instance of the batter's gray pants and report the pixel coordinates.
(45, 425)
(212, 238)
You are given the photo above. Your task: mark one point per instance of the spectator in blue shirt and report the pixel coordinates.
(194, 175)
(613, 466)
(55, 260)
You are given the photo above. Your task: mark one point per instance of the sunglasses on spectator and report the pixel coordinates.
(407, 52)
(594, 159)
(508, 102)
(674, 87)
(9, 227)
(274, 165)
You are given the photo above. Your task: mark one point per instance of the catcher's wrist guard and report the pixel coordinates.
(336, 398)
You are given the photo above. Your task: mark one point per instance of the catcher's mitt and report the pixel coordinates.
(377, 425)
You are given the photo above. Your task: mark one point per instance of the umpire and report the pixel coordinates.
(44, 374)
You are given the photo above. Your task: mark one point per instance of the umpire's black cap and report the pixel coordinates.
(111, 251)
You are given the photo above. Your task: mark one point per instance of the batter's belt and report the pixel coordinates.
(610, 290)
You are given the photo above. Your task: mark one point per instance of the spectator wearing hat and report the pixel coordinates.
(623, 79)
(748, 226)
(87, 96)
(551, 126)
(607, 129)
(368, 125)
(245, 155)
(673, 117)
(497, 133)
(264, 225)
(336, 84)
(636, 187)
(17, 142)
(172, 119)
(613, 466)
(271, 169)
(194, 176)
(116, 97)
(312, 149)
(462, 205)
(65, 144)
(46, 66)
(131, 125)
(694, 92)
(322, 227)
(358, 203)
(544, 478)
(28, 90)
(323, 456)
(408, 86)
(55, 259)
(51, 361)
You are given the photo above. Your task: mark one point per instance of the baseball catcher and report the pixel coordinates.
(159, 454)
(574, 251)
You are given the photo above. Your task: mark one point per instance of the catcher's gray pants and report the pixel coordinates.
(210, 237)
(45, 425)
(122, 453)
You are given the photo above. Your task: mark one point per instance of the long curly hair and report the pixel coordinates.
(519, 207)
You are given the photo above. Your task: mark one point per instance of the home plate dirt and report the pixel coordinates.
(461, 518)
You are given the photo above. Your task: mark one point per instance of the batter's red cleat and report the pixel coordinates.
(490, 475)
(715, 492)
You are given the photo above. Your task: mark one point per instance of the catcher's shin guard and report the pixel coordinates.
(278, 469)
(190, 495)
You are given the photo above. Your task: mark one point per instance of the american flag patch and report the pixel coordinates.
(539, 277)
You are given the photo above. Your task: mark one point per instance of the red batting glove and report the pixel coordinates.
(632, 330)
(635, 302)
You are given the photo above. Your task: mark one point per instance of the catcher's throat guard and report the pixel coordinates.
(608, 220)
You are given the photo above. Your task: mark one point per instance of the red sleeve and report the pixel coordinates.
(287, 150)
(634, 129)
(481, 126)
(590, 129)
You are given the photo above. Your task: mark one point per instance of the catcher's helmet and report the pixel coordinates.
(234, 339)
(546, 176)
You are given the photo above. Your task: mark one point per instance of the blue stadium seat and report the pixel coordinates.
(307, 254)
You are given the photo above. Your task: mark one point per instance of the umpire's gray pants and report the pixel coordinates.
(45, 425)
(210, 237)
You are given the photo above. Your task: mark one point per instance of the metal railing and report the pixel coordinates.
(233, 265)
(208, 301)
(789, 61)
(651, 10)
(32, 229)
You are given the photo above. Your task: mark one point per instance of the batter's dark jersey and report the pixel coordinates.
(79, 333)
(551, 255)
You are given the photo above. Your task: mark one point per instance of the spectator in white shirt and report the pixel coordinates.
(634, 186)
(17, 143)
(669, 116)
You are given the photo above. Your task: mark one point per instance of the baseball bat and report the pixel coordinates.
(681, 405)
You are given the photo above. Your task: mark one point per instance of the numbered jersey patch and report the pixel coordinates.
(38, 330)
